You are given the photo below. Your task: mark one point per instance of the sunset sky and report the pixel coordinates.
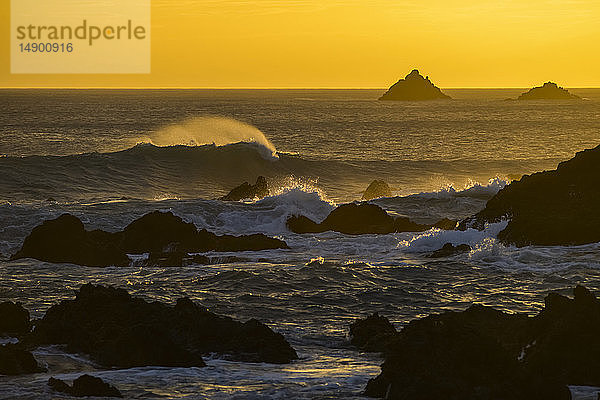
(355, 44)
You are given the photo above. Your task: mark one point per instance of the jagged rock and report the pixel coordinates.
(414, 87)
(117, 330)
(449, 250)
(65, 240)
(558, 207)
(85, 385)
(15, 360)
(14, 319)
(377, 189)
(247, 191)
(372, 334)
(356, 219)
(549, 91)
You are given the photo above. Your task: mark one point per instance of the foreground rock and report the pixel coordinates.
(356, 219)
(377, 189)
(85, 385)
(482, 353)
(65, 240)
(117, 330)
(414, 87)
(449, 250)
(14, 319)
(372, 334)
(247, 191)
(549, 91)
(558, 207)
(15, 360)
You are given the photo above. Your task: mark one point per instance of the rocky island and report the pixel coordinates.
(549, 91)
(414, 87)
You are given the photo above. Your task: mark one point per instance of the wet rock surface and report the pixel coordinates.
(16, 360)
(247, 191)
(377, 189)
(85, 385)
(449, 250)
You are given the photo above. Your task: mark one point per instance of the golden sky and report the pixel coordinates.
(354, 44)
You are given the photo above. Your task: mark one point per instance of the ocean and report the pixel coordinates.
(110, 156)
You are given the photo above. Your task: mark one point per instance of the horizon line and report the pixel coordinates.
(265, 88)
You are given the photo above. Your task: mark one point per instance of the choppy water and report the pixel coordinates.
(108, 157)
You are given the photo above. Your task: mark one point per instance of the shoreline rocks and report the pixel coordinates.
(16, 360)
(85, 385)
(247, 191)
(14, 319)
(414, 87)
(548, 91)
(65, 240)
(377, 189)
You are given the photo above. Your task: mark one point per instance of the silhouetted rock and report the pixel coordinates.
(356, 219)
(549, 91)
(482, 353)
(14, 319)
(372, 334)
(446, 224)
(449, 249)
(414, 87)
(117, 330)
(85, 385)
(247, 191)
(15, 360)
(558, 207)
(65, 240)
(377, 189)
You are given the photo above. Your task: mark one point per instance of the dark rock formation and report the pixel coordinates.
(117, 330)
(449, 250)
(15, 360)
(549, 91)
(247, 191)
(356, 219)
(446, 224)
(482, 353)
(65, 240)
(14, 319)
(558, 207)
(372, 334)
(377, 189)
(85, 385)
(413, 88)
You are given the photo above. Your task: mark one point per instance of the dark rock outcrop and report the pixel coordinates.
(558, 207)
(377, 189)
(549, 91)
(356, 219)
(482, 353)
(117, 330)
(65, 240)
(372, 334)
(85, 385)
(414, 87)
(449, 250)
(15, 360)
(14, 319)
(247, 191)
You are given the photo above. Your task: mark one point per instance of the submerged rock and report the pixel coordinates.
(377, 189)
(85, 385)
(482, 353)
(247, 191)
(14, 319)
(65, 240)
(356, 219)
(372, 334)
(449, 250)
(15, 360)
(414, 87)
(549, 91)
(117, 330)
(558, 207)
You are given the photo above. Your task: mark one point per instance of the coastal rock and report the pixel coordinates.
(377, 189)
(14, 319)
(65, 240)
(85, 385)
(549, 91)
(372, 334)
(356, 219)
(449, 250)
(558, 207)
(118, 330)
(15, 360)
(414, 87)
(247, 191)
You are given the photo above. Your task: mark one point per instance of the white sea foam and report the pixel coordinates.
(472, 189)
